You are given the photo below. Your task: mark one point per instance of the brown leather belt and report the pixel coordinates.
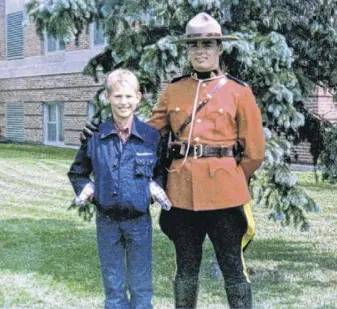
(178, 151)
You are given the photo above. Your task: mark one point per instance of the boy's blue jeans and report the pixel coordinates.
(125, 253)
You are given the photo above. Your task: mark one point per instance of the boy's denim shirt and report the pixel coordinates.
(121, 171)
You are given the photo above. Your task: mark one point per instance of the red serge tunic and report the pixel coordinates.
(211, 183)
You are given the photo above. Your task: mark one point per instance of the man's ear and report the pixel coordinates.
(220, 49)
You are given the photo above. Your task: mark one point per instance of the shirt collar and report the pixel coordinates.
(125, 128)
(107, 128)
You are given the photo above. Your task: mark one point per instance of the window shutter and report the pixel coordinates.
(14, 33)
(15, 122)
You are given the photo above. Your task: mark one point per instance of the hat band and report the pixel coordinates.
(203, 35)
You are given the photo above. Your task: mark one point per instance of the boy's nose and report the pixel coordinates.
(123, 100)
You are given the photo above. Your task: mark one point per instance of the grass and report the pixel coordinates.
(48, 256)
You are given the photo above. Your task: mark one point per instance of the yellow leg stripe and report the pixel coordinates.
(250, 226)
(248, 235)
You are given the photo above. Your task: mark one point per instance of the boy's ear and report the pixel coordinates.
(106, 95)
(139, 96)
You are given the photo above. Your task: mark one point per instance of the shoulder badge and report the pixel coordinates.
(239, 81)
(177, 79)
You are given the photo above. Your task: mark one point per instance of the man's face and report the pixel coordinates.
(123, 100)
(204, 54)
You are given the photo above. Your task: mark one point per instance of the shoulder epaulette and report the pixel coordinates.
(239, 81)
(177, 79)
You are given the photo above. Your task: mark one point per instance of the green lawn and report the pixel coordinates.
(48, 256)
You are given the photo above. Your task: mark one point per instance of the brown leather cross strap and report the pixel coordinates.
(189, 118)
(202, 103)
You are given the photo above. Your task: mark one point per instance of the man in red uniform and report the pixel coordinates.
(209, 112)
(207, 187)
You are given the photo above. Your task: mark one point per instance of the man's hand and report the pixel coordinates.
(159, 195)
(83, 202)
(89, 127)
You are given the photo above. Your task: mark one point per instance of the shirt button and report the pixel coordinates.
(204, 84)
(177, 109)
(197, 139)
(221, 110)
(114, 193)
(198, 120)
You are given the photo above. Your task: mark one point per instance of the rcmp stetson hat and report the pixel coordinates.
(203, 27)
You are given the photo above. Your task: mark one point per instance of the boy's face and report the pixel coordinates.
(204, 54)
(123, 100)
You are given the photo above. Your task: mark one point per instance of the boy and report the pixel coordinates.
(121, 155)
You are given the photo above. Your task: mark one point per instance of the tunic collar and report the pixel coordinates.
(214, 74)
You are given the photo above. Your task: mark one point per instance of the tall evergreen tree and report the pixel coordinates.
(286, 48)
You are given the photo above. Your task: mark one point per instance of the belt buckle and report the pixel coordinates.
(197, 151)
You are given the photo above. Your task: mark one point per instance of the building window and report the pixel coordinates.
(53, 123)
(91, 109)
(52, 44)
(14, 36)
(98, 36)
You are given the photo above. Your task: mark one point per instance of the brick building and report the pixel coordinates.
(45, 99)
(322, 104)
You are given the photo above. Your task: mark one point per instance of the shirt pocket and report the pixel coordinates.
(144, 164)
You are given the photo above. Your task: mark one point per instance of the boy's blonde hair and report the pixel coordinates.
(121, 77)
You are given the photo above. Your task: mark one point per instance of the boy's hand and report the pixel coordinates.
(90, 126)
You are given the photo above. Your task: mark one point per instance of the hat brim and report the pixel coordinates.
(198, 38)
